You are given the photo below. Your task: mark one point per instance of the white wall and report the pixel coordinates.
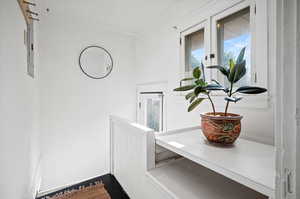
(19, 153)
(158, 55)
(74, 108)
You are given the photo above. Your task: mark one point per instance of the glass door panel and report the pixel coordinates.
(150, 110)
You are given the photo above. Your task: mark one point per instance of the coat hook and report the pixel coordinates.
(35, 19)
(29, 3)
(30, 12)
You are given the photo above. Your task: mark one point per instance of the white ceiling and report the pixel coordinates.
(132, 16)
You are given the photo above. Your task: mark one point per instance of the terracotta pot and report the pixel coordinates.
(220, 128)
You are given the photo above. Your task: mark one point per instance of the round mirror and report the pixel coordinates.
(96, 62)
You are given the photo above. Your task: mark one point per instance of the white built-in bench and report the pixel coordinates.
(203, 171)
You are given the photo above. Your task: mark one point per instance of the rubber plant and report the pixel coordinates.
(220, 127)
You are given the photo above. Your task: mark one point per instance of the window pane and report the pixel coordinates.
(194, 50)
(153, 114)
(233, 35)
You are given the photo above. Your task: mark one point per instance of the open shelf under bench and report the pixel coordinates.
(249, 163)
(186, 179)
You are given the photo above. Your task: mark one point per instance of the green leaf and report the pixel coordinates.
(195, 104)
(200, 82)
(231, 64)
(222, 69)
(185, 88)
(226, 90)
(213, 80)
(187, 79)
(251, 90)
(240, 71)
(240, 58)
(214, 87)
(198, 90)
(231, 75)
(233, 99)
(193, 98)
(189, 95)
(197, 73)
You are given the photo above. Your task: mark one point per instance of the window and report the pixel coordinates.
(222, 34)
(194, 47)
(150, 110)
(194, 50)
(233, 34)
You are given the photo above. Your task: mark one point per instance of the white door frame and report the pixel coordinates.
(298, 103)
(286, 140)
(158, 86)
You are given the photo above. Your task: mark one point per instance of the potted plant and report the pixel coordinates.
(219, 127)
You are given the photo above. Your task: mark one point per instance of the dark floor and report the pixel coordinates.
(110, 182)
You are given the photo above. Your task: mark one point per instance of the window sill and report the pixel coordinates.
(248, 101)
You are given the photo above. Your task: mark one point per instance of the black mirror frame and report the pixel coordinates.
(94, 46)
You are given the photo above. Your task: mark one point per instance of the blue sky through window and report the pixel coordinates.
(198, 55)
(232, 48)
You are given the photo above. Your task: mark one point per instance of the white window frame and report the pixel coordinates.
(259, 56)
(214, 30)
(202, 25)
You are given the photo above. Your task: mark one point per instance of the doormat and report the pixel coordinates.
(92, 191)
(111, 186)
